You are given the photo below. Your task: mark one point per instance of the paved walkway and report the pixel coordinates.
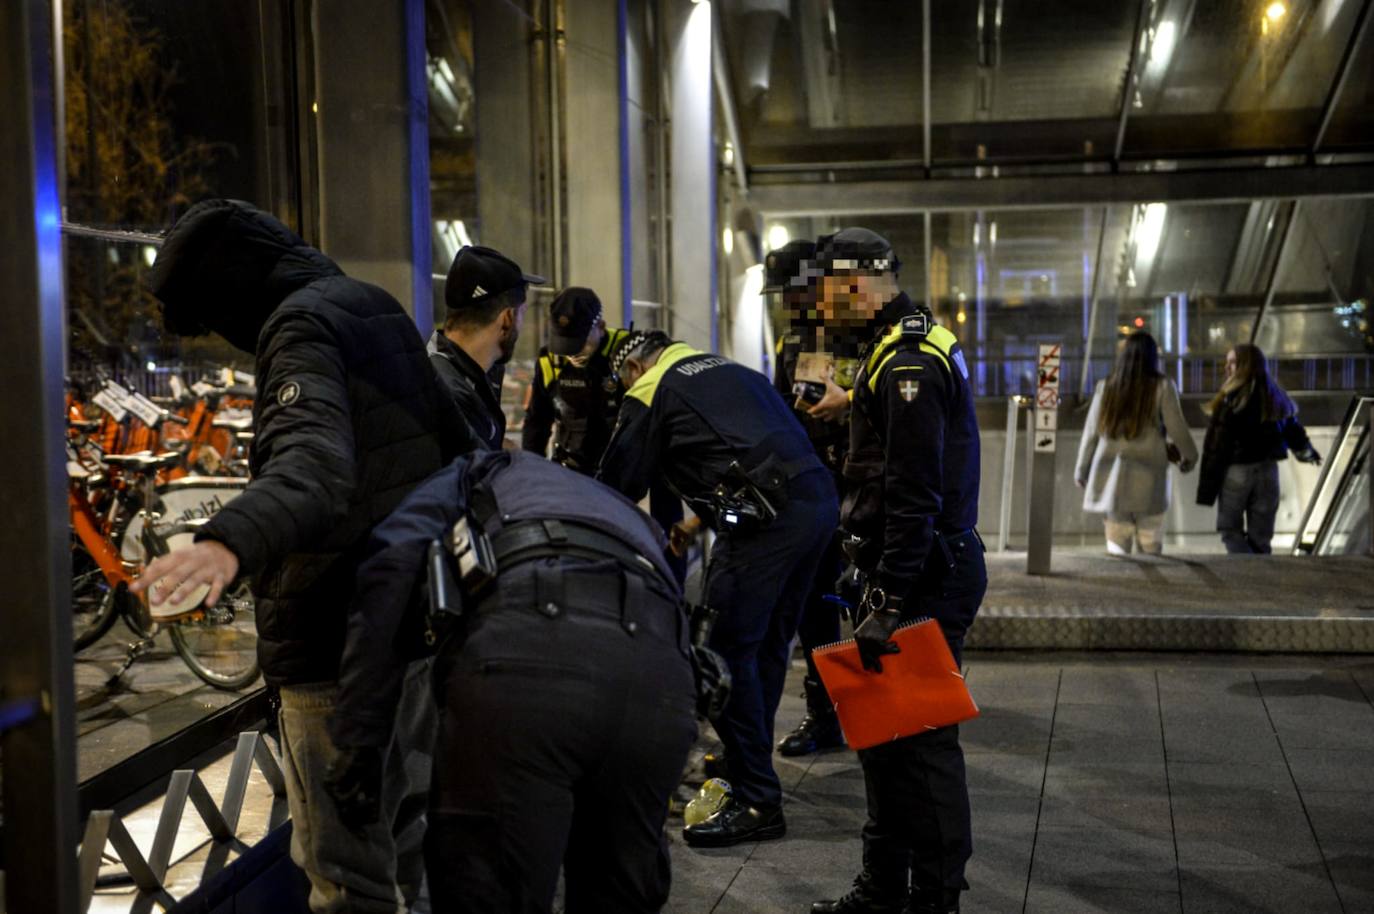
(1118, 783)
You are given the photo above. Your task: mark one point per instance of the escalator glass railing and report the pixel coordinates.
(1338, 516)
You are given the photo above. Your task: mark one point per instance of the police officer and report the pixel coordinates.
(910, 504)
(566, 695)
(723, 439)
(574, 385)
(485, 298)
(789, 273)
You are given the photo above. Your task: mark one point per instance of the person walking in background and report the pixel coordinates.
(1135, 428)
(1254, 424)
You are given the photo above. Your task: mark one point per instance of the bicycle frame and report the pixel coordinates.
(90, 530)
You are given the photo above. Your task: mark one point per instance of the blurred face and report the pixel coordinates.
(1230, 364)
(854, 297)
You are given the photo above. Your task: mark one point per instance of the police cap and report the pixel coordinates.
(856, 249)
(785, 264)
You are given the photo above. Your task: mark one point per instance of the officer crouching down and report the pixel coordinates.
(566, 695)
(910, 505)
(722, 438)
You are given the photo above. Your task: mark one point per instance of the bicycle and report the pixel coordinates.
(218, 643)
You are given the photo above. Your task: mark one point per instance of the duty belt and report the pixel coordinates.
(522, 541)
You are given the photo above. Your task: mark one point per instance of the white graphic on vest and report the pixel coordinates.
(692, 368)
(478, 292)
(909, 390)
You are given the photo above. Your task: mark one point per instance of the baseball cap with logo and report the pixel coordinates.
(572, 316)
(478, 273)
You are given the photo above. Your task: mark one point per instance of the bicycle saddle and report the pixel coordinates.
(143, 463)
(240, 425)
(83, 425)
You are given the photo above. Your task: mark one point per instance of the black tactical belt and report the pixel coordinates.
(535, 539)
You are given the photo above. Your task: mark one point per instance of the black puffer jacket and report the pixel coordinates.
(348, 418)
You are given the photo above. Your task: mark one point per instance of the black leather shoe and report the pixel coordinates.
(735, 823)
(814, 733)
(862, 899)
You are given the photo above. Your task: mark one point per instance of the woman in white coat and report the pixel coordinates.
(1135, 428)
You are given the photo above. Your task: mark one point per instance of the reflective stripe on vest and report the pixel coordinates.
(939, 343)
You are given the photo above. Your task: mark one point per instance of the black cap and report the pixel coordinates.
(636, 340)
(572, 314)
(786, 264)
(478, 273)
(856, 249)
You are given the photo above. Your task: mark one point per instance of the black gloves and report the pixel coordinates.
(1308, 455)
(354, 781)
(874, 635)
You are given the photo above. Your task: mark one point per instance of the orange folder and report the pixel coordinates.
(919, 689)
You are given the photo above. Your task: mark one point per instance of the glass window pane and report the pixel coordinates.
(1320, 304)
(1002, 85)
(1237, 74)
(1014, 280)
(164, 104)
(1352, 123)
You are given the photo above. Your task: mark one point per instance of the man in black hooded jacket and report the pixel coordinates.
(348, 419)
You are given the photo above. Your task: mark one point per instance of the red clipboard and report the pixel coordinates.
(918, 690)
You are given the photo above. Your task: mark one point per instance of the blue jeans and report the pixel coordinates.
(1247, 506)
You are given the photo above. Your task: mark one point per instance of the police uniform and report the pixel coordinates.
(786, 272)
(688, 419)
(583, 400)
(911, 496)
(566, 694)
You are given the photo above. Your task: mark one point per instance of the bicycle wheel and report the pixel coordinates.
(95, 603)
(221, 647)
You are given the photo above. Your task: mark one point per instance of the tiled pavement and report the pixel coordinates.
(1122, 783)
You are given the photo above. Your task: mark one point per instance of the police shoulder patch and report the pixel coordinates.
(288, 393)
(917, 325)
(909, 388)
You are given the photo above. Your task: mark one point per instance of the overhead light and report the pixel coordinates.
(152, 366)
(1150, 231)
(977, 233)
(992, 233)
(727, 241)
(1275, 11)
(778, 236)
(961, 317)
(149, 254)
(1162, 45)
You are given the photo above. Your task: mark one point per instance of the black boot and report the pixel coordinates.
(819, 729)
(938, 901)
(865, 897)
(735, 823)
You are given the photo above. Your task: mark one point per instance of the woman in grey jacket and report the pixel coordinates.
(1134, 426)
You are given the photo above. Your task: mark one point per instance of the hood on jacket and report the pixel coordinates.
(226, 266)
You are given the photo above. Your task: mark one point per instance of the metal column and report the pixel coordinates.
(36, 650)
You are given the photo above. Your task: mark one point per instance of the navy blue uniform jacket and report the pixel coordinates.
(386, 618)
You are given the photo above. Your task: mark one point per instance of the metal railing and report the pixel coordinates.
(1347, 472)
